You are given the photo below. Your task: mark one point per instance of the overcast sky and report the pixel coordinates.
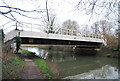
(63, 9)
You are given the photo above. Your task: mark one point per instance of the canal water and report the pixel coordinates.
(68, 65)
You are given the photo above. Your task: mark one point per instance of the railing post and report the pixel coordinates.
(91, 35)
(68, 32)
(95, 36)
(98, 36)
(85, 34)
(62, 31)
(77, 33)
(82, 34)
(59, 31)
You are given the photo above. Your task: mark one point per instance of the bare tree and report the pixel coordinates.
(98, 7)
(50, 23)
(96, 28)
(102, 27)
(71, 27)
(52, 26)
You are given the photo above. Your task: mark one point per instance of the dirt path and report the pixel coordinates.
(31, 71)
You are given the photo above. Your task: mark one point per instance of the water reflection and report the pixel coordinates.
(39, 52)
(106, 72)
(65, 64)
(58, 56)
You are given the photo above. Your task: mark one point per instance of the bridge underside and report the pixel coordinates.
(43, 41)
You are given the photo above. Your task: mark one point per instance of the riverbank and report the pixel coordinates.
(23, 68)
(107, 52)
(12, 68)
(44, 68)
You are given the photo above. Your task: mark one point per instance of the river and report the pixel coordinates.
(68, 65)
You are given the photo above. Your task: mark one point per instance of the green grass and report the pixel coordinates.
(18, 61)
(12, 68)
(25, 51)
(44, 68)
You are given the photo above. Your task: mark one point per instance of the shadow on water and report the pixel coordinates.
(78, 64)
(85, 51)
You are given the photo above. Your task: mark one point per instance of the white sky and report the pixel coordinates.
(63, 9)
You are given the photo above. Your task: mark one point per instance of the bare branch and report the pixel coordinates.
(5, 12)
(47, 11)
(98, 7)
(8, 17)
(25, 15)
(18, 9)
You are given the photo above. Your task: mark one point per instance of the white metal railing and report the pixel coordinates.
(76, 33)
(30, 27)
(21, 26)
(39, 28)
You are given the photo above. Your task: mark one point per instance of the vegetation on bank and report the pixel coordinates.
(25, 51)
(109, 52)
(44, 68)
(12, 68)
(18, 41)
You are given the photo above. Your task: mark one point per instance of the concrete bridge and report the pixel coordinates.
(29, 37)
(63, 37)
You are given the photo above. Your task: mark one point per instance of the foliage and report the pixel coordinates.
(18, 43)
(18, 61)
(43, 67)
(2, 34)
(112, 41)
(12, 68)
(112, 52)
(25, 51)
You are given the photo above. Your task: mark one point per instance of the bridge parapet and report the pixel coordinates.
(77, 33)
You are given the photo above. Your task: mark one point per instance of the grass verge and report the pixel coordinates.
(11, 69)
(44, 68)
(25, 51)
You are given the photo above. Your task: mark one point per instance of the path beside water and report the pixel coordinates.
(31, 71)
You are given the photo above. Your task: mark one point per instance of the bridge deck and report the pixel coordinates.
(45, 36)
